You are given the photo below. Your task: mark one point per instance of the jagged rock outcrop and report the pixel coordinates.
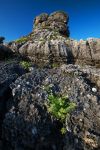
(56, 21)
(49, 43)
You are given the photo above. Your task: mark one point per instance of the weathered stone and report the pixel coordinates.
(59, 16)
(55, 21)
(86, 52)
(38, 130)
(46, 47)
(41, 18)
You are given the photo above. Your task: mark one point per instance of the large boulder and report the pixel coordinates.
(28, 125)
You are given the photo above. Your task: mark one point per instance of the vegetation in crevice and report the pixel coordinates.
(55, 65)
(25, 64)
(21, 40)
(59, 107)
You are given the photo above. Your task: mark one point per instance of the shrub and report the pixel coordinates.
(55, 65)
(60, 107)
(25, 64)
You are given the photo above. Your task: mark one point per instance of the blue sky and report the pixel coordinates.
(16, 16)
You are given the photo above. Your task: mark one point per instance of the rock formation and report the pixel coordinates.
(59, 65)
(49, 42)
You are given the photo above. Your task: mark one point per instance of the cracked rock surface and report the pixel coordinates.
(38, 130)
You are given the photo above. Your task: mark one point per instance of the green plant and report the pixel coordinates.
(25, 64)
(23, 39)
(60, 107)
(55, 65)
(63, 130)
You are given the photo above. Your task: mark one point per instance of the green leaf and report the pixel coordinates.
(63, 130)
(60, 107)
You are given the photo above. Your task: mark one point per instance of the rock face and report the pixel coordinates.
(46, 47)
(86, 52)
(25, 120)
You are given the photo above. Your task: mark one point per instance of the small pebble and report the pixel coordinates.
(94, 89)
(19, 86)
(81, 120)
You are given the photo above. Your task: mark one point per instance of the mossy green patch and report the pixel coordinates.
(25, 64)
(60, 107)
(23, 39)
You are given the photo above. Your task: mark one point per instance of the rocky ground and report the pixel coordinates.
(45, 61)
